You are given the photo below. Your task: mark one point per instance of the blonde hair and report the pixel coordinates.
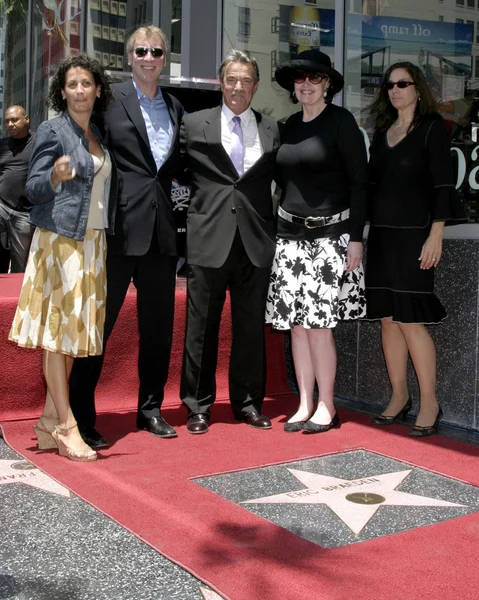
(148, 32)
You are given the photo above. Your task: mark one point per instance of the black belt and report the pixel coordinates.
(313, 222)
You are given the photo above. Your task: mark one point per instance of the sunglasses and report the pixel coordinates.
(401, 84)
(142, 51)
(301, 76)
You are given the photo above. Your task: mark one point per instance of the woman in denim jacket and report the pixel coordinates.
(72, 186)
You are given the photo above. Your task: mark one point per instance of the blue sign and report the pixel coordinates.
(408, 36)
(402, 36)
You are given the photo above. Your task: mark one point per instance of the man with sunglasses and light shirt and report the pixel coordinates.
(230, 156)
(141, 128)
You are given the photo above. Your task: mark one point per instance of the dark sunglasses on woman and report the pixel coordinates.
(301, 76)
(142, 51)
(401, 84)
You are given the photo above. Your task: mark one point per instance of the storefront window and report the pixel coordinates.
(171, 24)
(380, 33)
(175, 38)
(275, 31)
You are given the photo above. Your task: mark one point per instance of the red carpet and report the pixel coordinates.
(145, 484)
(22, 389)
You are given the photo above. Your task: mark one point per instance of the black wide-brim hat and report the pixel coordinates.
(312, 61)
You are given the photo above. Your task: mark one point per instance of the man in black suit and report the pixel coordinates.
(229, 153)
(141, 128)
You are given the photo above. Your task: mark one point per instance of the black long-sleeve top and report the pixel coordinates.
(322, 170)
(412, 183)
(14, 159)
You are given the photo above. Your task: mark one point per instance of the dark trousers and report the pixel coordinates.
(207, 287)
(154, 278)
(16, 225)
(4, 259)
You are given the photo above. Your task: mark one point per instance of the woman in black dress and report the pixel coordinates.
(412, 196)
(317, 277)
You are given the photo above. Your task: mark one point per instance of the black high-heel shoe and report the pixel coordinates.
(418, 431)
(309, 427)
(399, 418)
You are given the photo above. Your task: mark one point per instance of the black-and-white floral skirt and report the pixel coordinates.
(310, 286)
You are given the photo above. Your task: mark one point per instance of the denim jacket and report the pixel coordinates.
(64, 210)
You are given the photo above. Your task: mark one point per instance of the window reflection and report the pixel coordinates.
(56, 32)
(274, 31)
(106, 32)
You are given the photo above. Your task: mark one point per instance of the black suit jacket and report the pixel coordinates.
(144, 192)
(221, 201)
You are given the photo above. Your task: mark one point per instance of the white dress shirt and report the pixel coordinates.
(251, 142)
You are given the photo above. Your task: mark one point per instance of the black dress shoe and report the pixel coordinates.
(198, 423)
(255, 419)
(158, 427)
(309, 427)
(92, 437)
(399, 418)
(418, 431)
(294, 427)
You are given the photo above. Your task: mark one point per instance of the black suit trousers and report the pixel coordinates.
(248, 286)
(154, 276)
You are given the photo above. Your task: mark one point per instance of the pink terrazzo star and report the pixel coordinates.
(209, 594)
(355, 501)
(21, 471)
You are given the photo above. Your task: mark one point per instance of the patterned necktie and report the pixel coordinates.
(236, 152)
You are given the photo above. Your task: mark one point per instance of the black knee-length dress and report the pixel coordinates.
(411, 186)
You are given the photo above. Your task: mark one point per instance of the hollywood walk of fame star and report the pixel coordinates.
(21, 471)
(355, 501)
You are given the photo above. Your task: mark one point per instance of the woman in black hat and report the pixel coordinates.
(317, 276)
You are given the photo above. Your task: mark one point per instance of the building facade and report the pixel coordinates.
(362, 37)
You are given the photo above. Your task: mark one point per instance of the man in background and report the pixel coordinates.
(15, 152)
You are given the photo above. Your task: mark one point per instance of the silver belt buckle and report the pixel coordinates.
(315, 222)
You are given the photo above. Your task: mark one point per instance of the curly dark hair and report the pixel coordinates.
(383, 112)
(330, 92)
(83, 61)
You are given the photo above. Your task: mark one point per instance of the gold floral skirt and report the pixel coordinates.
(62, 303)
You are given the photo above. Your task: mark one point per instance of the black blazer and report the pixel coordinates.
(144, 192)
(221, 201)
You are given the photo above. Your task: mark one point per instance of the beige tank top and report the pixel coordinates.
(101, 169)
